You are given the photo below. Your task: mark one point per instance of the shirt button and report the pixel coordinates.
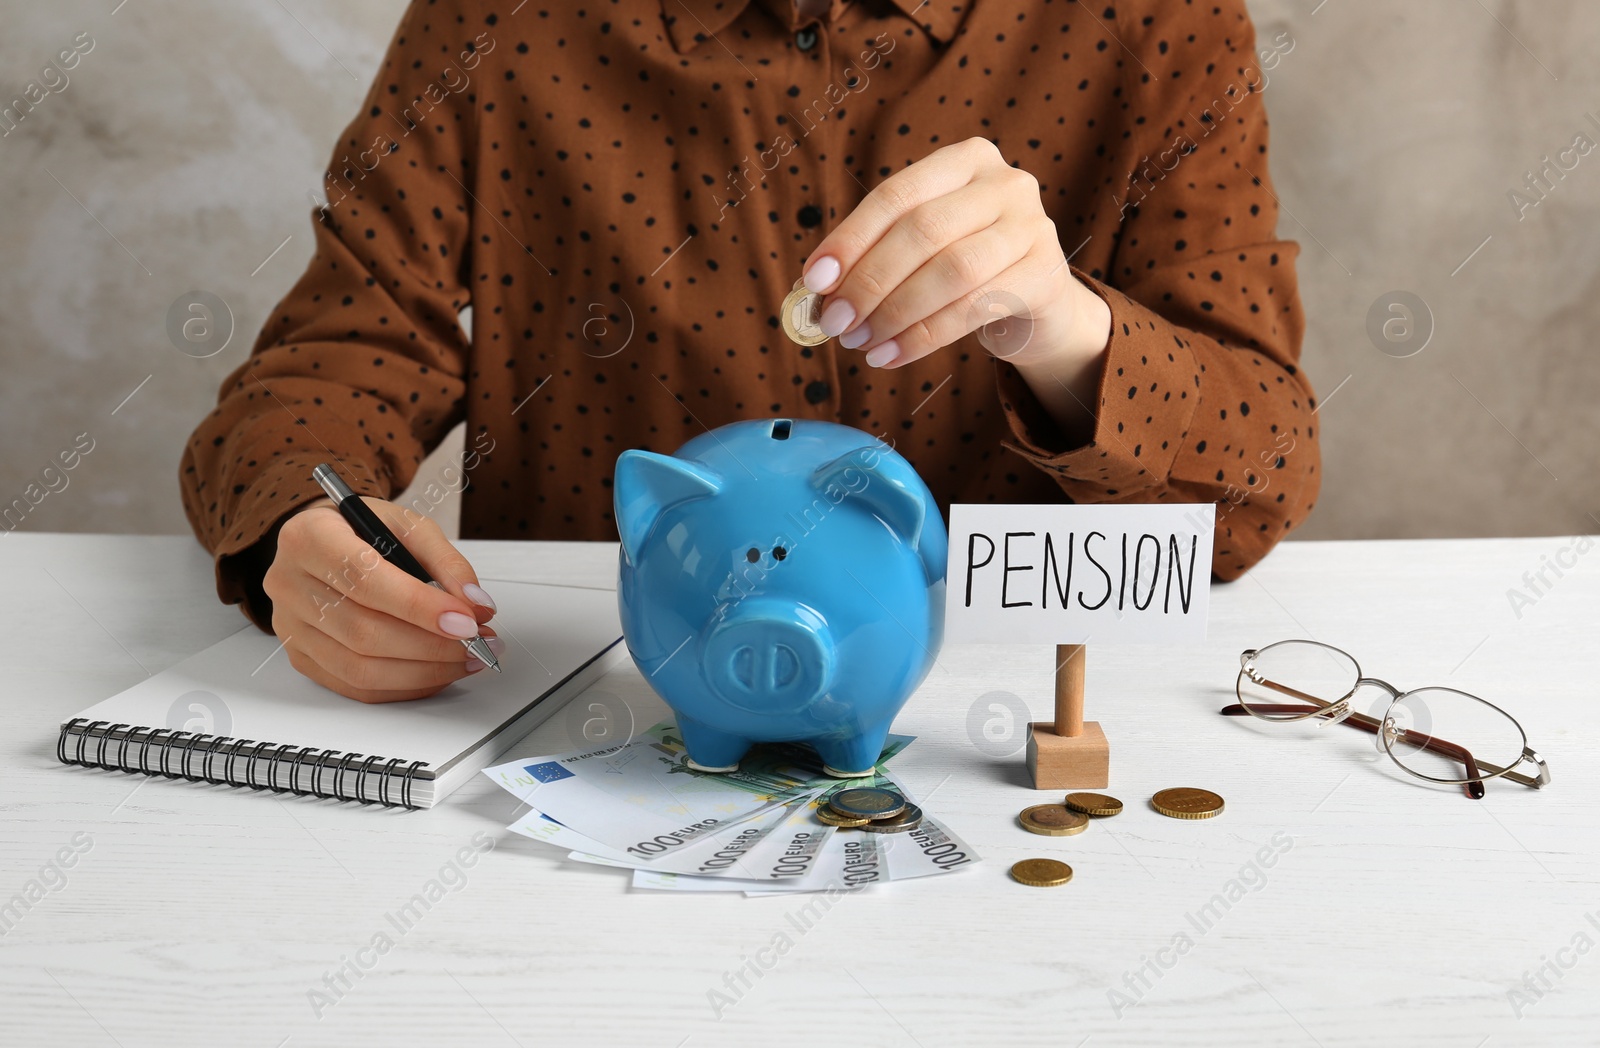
(806, 39)
(817, 392)
(851, 80)
(809, 216)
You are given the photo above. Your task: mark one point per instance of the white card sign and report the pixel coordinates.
(1066, 574)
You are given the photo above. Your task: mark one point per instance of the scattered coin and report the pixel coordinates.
(833, 818)
(801, 315)
(1187, 802)
(908, 819)
(1098, 804)
(1041, 873)
(1053, 820)
(867, 802)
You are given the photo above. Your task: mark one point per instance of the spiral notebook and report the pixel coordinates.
(237, 713)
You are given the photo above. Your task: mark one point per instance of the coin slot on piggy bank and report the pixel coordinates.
(759, 564)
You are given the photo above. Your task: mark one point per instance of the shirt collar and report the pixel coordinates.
(691, 22)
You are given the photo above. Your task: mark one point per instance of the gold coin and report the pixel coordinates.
(1187, 802)
(1094, 804)
(833, 818)
(867, 802)
(801, 316)
(908, 819)
(1041, 873)
(1052, 820)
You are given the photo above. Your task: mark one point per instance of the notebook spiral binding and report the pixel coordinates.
(181, 746)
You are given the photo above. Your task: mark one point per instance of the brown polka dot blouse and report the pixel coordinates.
(624, 190)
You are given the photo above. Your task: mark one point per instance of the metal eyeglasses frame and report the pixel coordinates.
(1387, 729)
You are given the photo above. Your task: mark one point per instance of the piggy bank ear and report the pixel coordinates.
(890, 489)
(646, 485)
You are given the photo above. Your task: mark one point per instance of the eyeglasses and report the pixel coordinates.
(1438, 734)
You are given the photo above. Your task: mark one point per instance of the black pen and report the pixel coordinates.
(370, 528)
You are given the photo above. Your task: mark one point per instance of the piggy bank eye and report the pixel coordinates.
(752, 554)
(778, 553)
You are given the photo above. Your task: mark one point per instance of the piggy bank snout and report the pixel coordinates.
(769, 659)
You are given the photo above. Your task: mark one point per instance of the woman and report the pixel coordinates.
(1043, 232)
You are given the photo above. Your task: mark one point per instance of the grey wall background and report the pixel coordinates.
(179, 152)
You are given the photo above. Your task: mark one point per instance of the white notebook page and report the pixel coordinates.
(551, 633)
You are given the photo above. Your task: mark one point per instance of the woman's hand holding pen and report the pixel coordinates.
(359, 625)
(955, 243)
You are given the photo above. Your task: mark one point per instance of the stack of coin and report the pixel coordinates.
(872, 809)
(1069, 817)
(801, 315)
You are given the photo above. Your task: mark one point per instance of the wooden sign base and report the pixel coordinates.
(1069, 752)
(1059, 762)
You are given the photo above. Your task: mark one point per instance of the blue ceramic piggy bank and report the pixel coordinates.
(781, 581)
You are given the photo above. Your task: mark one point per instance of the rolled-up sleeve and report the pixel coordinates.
(363, 363)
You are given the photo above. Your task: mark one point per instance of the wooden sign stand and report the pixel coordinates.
(1069, 753)
(1002, 555)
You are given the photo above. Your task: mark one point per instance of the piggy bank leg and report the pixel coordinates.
(710, 749)
(853, 757)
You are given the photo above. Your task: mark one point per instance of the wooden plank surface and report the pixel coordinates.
(1391, 913)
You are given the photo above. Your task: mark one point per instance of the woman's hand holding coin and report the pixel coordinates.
(957, 243)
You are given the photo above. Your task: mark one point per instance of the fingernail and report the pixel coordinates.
(474, 666)
(837, 317)
(855, 339)
(455, 624)
(878, 356)
(478, 595)
(496, 645)
(823, 272)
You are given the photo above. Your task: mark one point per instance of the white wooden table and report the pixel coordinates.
(1400, 914)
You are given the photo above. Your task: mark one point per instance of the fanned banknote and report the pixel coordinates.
(639, 805)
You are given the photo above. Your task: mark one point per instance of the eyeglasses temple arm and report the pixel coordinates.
(1518, 777)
